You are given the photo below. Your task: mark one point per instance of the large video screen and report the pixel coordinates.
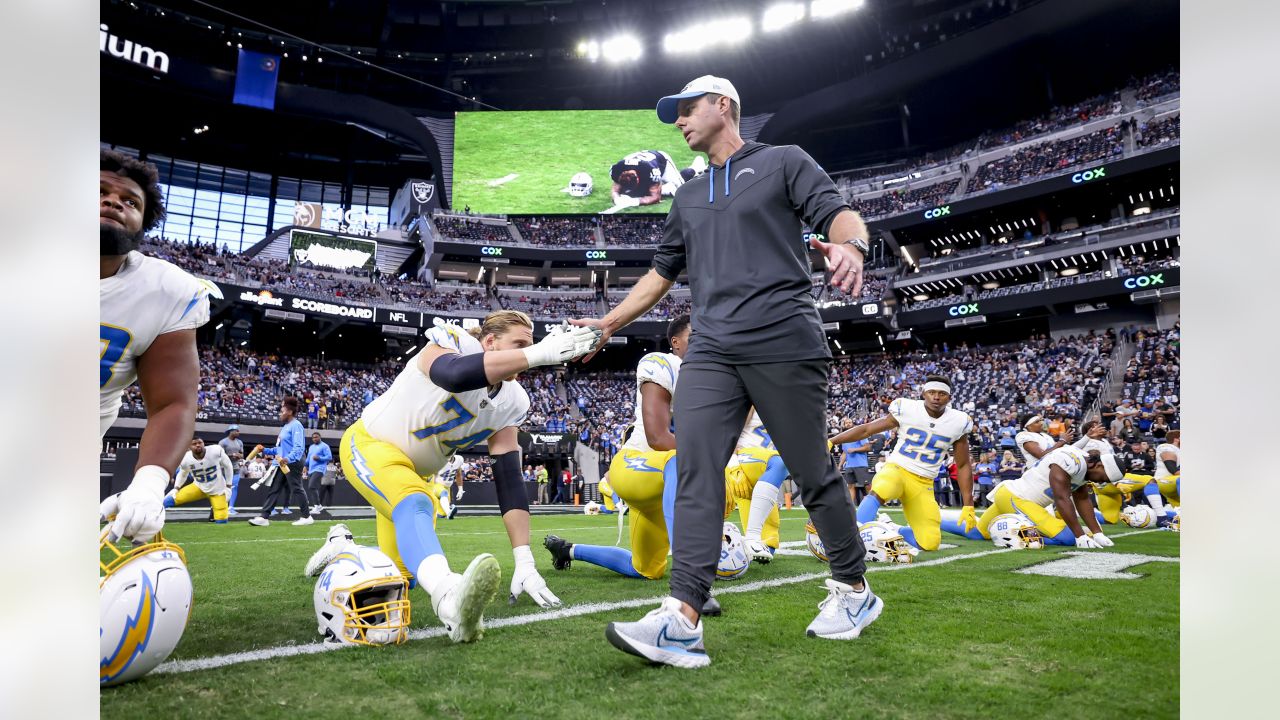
(525, 162)
(332, 251)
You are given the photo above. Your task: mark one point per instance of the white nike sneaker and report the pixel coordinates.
(338, 539)
(304, 521)
(759, 552)
(462, 603)
(259, 521)
(662, 636)
(844, 613)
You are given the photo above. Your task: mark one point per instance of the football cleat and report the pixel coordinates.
(759, 552)
(712, 608)
(844, 614)
(661, 636)
(338, 539)
(561, 551)
(461, 607)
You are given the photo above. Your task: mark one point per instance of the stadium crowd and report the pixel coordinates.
(1048, 157)
(558, 232)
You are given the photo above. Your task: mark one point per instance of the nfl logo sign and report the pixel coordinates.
(423, 192)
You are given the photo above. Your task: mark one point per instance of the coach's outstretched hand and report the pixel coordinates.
(845, 264)
(601, 326)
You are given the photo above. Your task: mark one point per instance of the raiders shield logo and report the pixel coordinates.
(423, 192)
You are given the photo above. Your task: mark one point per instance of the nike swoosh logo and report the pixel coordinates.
(744, 170)
(687, 642)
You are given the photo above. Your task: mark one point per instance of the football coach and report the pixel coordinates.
(757, 341)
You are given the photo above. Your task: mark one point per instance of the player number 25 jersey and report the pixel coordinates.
(662, 369)
(923, 440)
(147, 298)
(1034, 483)
(211, 473)
(428, 423)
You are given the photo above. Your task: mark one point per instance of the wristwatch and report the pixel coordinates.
(861, 245)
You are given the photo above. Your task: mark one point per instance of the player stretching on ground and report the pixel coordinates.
(209, 472)
(457, 392)
(1060, 480)
(754, 478)
(149, 314)
(928, 429)
(643, 473)
(644, 178)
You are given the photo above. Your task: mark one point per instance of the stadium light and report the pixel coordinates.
(831, 8)
(777, 17)
(589, 50)
(726, 31)
(621, 48)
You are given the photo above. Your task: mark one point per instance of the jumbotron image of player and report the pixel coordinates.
(644, 178)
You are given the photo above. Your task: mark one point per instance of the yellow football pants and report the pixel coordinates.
(192, 492)
(1169, 489)
(636, 476)
(384, 476)
(1045, 520)
(740, 483)
(895, 482)
(1111, 497)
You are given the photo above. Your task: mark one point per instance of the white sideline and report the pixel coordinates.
(219, 661)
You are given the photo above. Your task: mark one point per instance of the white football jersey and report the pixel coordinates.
(451, 469)
(656, 367)
(147, 298)
(1034, 483)
(754, 433)
(923, 440)
(1102, 446)
(1044, 440)
(428, 423)
(1162, 471)
(212, 473)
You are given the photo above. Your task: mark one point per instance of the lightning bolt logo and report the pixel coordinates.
(639, 463)
(134, 638)
(362, 469)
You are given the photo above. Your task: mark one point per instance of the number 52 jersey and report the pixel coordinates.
(923, 440)
(147, 298)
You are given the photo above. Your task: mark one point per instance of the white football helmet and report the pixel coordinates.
(580, 185)
(361, 598)
(814, 542)
(884, 544)
(1175, 523)
(1138, 516)
(734, 559)
(591, 508)
(1012, 530)
(144, 602)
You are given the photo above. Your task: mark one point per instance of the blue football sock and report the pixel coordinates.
(906, 532)
(1101, 520)
(955, 528)
(606, 556)
(415, 530)
(1063, 538)
(868, 509)
(775, 472)
(169, 501)
(669, 482)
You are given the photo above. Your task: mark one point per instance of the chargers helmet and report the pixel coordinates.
(361, 598)
(1175, 523)
(884, 544)
(1138, 516)
(144, 602)
(734, 559)
(591, 508)
(814, 542)
(1012, 530)
(580, 185)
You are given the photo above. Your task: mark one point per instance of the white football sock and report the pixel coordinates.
(764, 498)
(1157, 503)
(432, 572)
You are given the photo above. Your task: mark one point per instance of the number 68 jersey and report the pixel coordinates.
(428, 423)
(923, 440)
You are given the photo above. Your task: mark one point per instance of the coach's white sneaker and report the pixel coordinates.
(304, 521)
(844, 613)
(338, 539)
(462, 599)
(663, 636)
(259, 521)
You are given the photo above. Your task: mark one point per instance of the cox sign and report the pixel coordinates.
(1144, 281)
(1088, 175)
(489, 250)
(597, 255)
(962, 309)
(937, 212)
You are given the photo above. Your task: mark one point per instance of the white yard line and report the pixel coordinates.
(219, 661)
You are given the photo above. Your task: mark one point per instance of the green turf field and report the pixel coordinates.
(544, 149)
(966, 638)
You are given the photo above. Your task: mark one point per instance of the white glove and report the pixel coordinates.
(139, 510)
(1103, 540)
(1084, 541)
(563, 345)
(526, 579)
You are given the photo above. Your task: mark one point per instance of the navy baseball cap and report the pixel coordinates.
(668, 107)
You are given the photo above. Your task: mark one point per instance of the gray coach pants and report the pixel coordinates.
(711, 406)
